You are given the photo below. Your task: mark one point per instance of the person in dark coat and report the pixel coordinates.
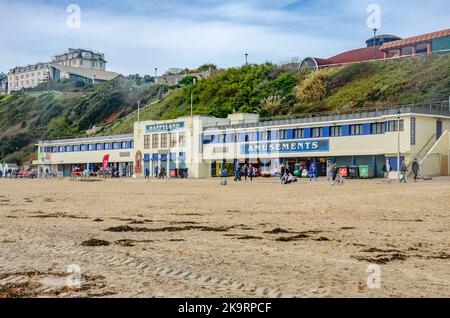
(416, 169)
(403, 172)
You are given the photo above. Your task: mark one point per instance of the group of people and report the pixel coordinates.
(334, 176)
(246, 171)
(287, 174)
(415, 167)
(159, 172)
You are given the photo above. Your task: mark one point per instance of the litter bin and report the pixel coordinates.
(343, 171)
(366, 172)
(353, 172)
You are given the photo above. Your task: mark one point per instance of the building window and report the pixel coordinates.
(163, 140)
(282, 135)
(107, 147)
(356, 130)
(249, 137)
(76, 148)
(299, 133)
(91, 147)
(336, 131)
(182, 139)
(378, 128)
(147, 141)
(173, 140)
(317, 132)
(124, 145)
(83, 147)
(264, 135)
(99, 146)
(155, 141)
(67, 148)
(393, 125)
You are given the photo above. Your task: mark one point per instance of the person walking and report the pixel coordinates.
(403, 172)
(244, 170)
(162, 172)
(250, 172)
(147, 173)
(156, 171)
(312, 172)
(333, 173)
(386, 171)
(416, 169)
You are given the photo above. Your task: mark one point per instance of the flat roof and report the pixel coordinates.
(436, 110)
(415, 40)
(87, 139)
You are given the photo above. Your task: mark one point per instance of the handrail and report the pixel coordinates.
(426, 144)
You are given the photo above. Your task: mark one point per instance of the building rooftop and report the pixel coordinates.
(86, 72)
(437, 109)
(87, 139)
(415, 40)
(79, 53)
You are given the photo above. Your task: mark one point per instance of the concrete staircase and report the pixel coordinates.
(436, 160)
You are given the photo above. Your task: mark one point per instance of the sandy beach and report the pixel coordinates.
(195, 238)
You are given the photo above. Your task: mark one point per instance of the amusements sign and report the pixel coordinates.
(164, 127)
(286, 147)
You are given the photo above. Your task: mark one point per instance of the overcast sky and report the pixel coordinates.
(138, 36)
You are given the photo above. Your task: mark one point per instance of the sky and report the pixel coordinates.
(138, 36)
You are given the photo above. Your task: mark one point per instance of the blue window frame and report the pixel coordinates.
(299, 133)
(377, 128)
(356, 130)
(84, 147)
(265, 135)
(91, 147)
(336, 131)
(282, 134)
(317, 132)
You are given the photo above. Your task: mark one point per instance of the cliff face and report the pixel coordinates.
(267, 89)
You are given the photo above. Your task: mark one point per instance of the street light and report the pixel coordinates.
(374, 43)
(398, 144)
(246, 58)
(192, 97)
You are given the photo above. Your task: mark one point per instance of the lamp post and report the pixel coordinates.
(398, 144)
(192, 98)
(246, 58)
(374, 43)
(156, 73)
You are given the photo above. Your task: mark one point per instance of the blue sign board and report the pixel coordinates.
(164, 127)
(286, 147)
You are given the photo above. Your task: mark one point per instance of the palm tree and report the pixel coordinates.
(270, 105)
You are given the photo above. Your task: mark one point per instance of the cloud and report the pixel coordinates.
(138, 36)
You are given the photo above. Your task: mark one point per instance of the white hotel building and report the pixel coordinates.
(202, 145)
